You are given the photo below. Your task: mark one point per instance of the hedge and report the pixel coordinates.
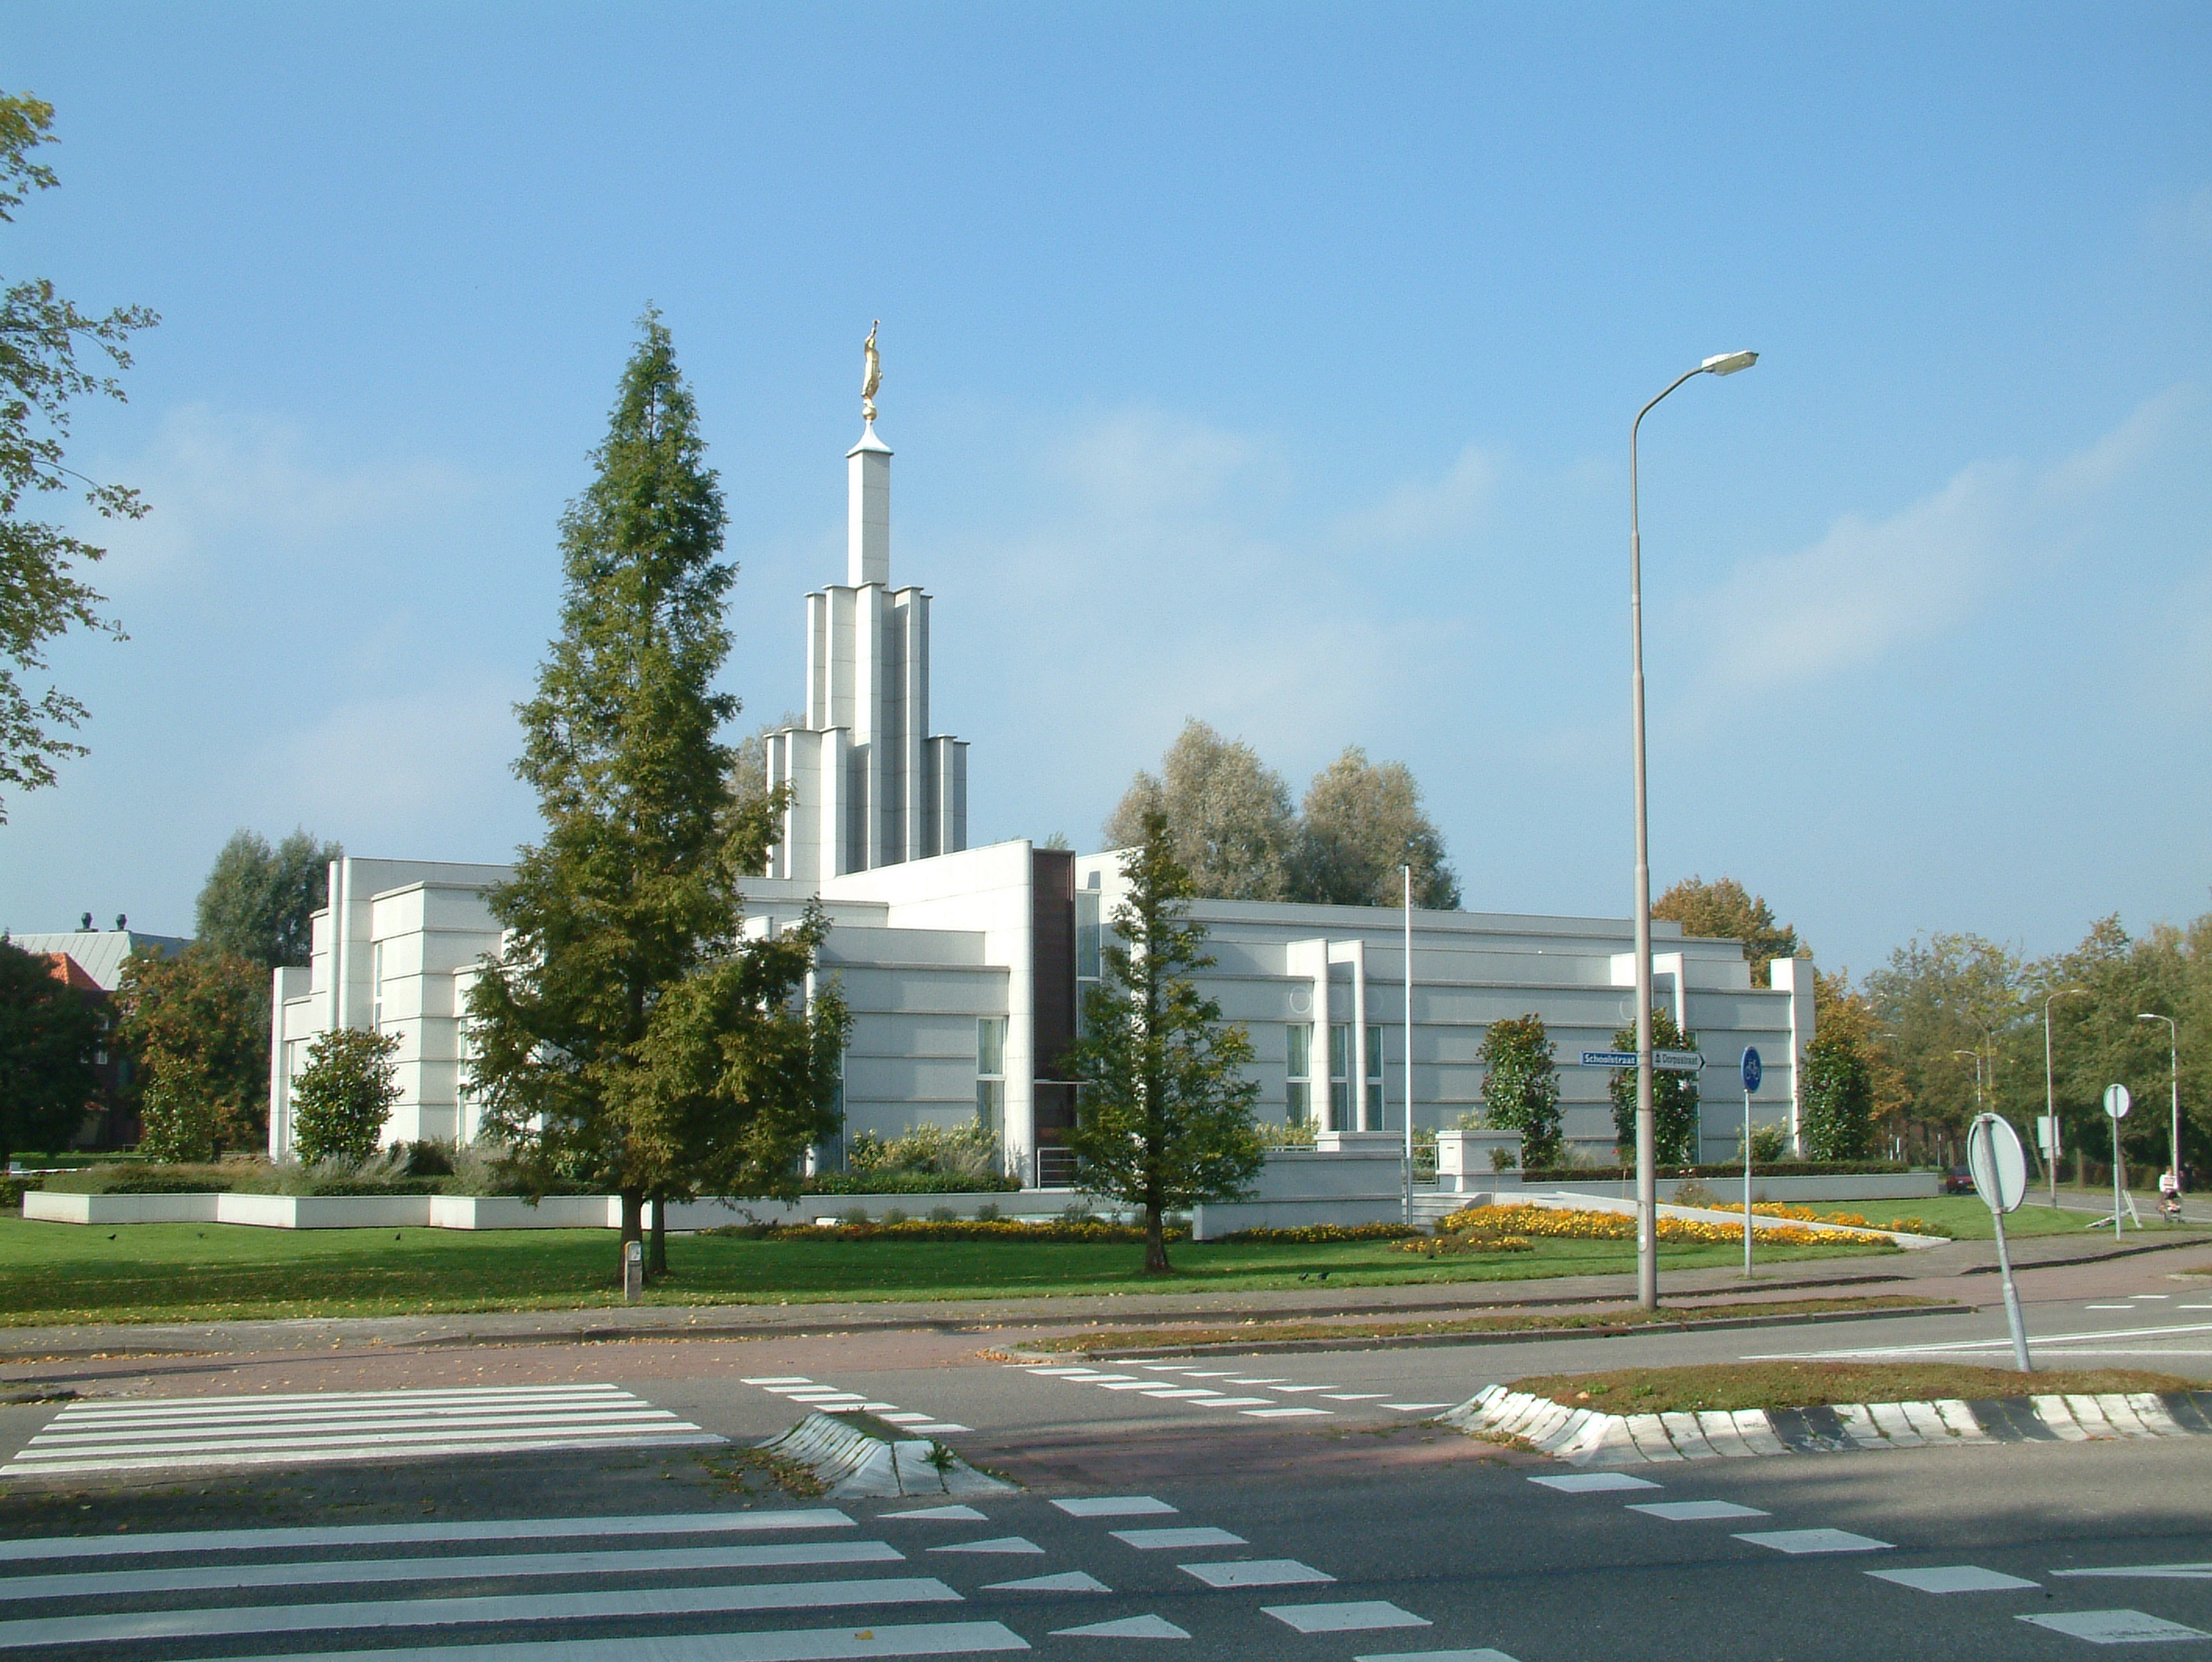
(862, 1183)
(1775, 1169)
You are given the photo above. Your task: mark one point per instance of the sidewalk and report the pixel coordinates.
(1963, 1271)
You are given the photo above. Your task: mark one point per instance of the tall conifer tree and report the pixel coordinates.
(624, 922)
(1165, 1115)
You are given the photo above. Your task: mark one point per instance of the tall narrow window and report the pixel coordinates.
(1089, 952)
(1298, 1095)
(991, 1073)
(1375, 1079)
(376, 988)
(1339, 1077)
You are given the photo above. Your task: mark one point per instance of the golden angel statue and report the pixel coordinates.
(871, 375)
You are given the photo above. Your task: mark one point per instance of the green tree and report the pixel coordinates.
(48, 1033)
(1724, 910)
(41, 594)
(258, 902)
(197, 1025)
(1362, 823)
(1229, 815)
(737, 1076)
(344, 1094)
(1521, 1087)
(626, 990)
(1674, 1097)
(1164, 1116)
(1941, 996)
(1837, 1104)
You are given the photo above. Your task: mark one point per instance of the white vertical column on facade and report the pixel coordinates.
(1794, 977)
(1353, 953)
(912, 719)
(817, 661)
(287, 981)
(834, 766)
(870, 622)
(1307, 962)
(868, 511)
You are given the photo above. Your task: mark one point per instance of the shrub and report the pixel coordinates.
(1315, 1233)
(344, 1094)
(970, 1153)
(1298, 1134)
(1521, 1085)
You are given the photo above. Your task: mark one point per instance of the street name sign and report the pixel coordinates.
(1667, 1061)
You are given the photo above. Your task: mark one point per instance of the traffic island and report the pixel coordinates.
(858, 1457)
(1751, 1410)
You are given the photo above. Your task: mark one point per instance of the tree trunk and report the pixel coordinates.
(656, 1255)
(632, 1229)
(1156, 1241)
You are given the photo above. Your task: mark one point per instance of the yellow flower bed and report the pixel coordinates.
(1547, 1222)
(1911, 1226)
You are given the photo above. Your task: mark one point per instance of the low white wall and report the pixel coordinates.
(1297, 1186)
(1786, 1191)
(43, 1208)
(509, 1212)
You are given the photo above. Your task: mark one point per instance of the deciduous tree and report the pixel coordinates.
(1521, 1087)
(1228, 814)
(629, 1034)
(342, 1098)
(258, 902)
(1164, 1115)
(42, 592)
(1674, 1097)
(197, 1026)
(48, 1033)
(1724, 910)
(1362, 823)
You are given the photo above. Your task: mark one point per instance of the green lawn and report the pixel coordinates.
(1967, 1219)
(63, 1272)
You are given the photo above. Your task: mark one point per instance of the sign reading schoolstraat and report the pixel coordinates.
(1667, 1061)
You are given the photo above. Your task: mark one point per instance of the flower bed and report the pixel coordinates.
(1553, 1224)
(1310, 1235)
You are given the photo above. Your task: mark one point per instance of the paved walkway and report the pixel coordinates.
(1962, 1269)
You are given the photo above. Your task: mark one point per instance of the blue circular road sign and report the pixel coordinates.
(1752, 1073)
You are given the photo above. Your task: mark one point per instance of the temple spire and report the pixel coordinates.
(868, 485)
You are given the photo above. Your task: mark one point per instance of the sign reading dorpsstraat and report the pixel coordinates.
(1667, 1061)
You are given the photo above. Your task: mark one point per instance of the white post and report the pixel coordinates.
(1409, 1045)
(1746, 1181)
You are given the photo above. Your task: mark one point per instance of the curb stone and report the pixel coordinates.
(1582, 1436)
(855, 1466)
(1689, 1323)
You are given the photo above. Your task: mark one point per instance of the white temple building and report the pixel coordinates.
(964, 967)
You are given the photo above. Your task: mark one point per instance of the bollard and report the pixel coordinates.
(633, 1271)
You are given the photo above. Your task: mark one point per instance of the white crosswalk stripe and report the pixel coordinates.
(222, 1593)
(301, 1429)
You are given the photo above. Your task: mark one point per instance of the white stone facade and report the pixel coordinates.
(964, 967)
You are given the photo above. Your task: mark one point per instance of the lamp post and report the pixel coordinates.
(2050, 1101)
(2174, 1040)
(1647, 1186)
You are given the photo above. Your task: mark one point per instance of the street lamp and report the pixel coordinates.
(2173, 1038)
(2050, 1103)
(1647, 1185)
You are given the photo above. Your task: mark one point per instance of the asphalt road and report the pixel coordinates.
(1333, 1520)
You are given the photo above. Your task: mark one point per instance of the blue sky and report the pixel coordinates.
(1267, 364)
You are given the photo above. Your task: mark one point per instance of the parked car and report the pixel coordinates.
(1958, 1180)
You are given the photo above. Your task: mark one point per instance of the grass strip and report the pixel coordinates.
(1725, 1386)
(67, 1274)
(1260, 1331)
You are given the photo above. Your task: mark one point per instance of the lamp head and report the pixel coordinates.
(1729, 363)
(2153, 1018)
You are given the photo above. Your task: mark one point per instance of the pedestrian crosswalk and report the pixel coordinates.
(657, 1580)
(327, 1426)
(1176, 1387)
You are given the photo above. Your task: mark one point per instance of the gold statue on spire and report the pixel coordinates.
(871, 375)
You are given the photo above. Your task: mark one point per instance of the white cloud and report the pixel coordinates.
(424, 769)
(216, 481)
(1427, 511)
(1144, 463)
(1866, 588)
